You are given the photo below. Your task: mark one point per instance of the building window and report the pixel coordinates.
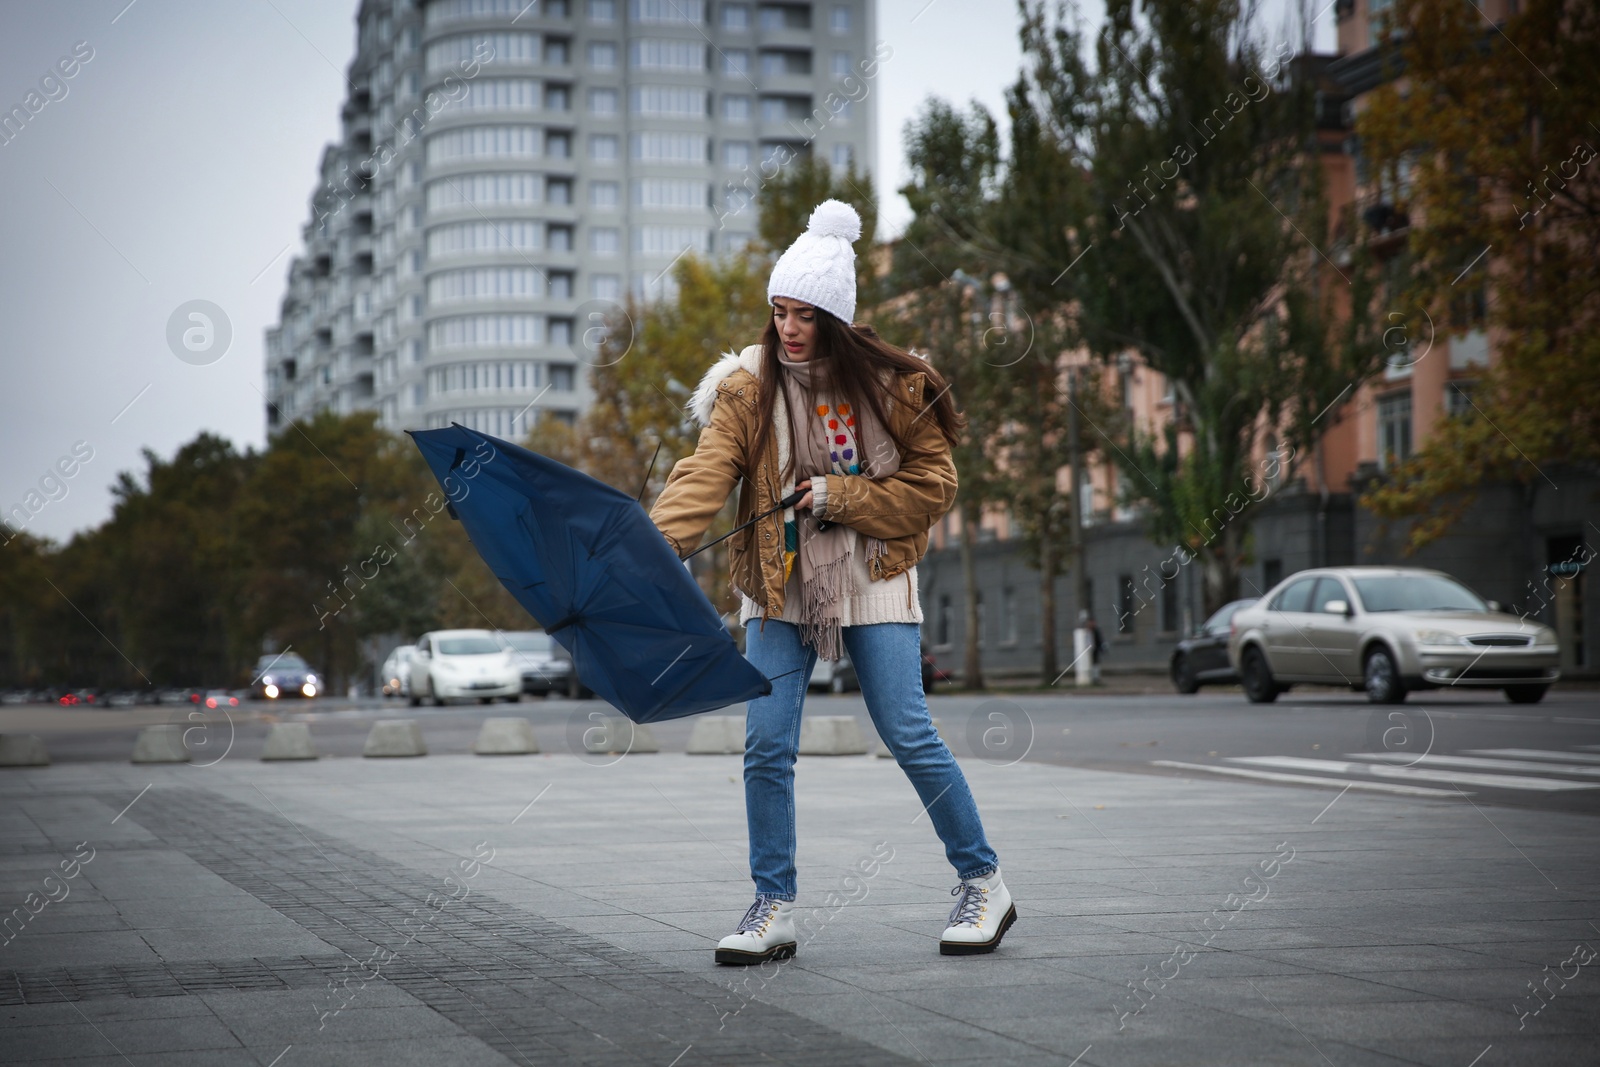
(736, 108)
(560, 239)
(670, 194)
(558, 190)
(560, 334)
(602, 10)
(669, 11)
(557, 51)
(1125, 604)
(841, 156)
(670, 240)
(841, 64)
(558, 98)
(603, 55)
(1394, 429)
(1458, 399)
(1169, 606)
(604, 194)
(561, 285)
(736, 153)
(1008, 616)
(605, 286)
(603, 148)
(736, 17)
(602, 101)
(657, 147)
(605, 240)
(670, 101)
(736, 63)
(668, 54)
(563, 376)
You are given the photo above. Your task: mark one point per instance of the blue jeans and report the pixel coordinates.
(888, 662)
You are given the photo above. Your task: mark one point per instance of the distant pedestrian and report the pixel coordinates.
(865, 429)
(1097, 642)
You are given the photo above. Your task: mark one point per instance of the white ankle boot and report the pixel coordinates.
(980, 918)
(765, 933)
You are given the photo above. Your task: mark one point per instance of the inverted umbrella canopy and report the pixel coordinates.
(586, 562)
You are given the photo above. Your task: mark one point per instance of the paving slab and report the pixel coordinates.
(520, 908)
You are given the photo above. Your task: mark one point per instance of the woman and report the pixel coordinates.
(865, 431)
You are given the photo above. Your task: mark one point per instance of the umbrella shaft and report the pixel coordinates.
(787, 502)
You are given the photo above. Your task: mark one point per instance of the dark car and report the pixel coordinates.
(284, 675)
(544, 670)
(1202, 658)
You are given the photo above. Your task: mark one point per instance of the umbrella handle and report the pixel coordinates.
(787, 502)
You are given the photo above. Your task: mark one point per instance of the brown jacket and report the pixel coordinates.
(899, 509)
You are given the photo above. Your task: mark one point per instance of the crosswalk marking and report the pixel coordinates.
(1309, 779)
(1537, 753)
(1482, 763)
(1497, 781)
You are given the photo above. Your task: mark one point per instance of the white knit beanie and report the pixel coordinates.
(820, 267)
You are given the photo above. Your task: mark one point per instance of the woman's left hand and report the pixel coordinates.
(805, 501)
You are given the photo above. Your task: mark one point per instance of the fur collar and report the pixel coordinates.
(705, 395)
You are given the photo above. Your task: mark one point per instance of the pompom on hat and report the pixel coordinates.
(820, 267)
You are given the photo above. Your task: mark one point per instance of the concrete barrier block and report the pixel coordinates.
(23, 750)
(394, 737)
(160, 744)
(506, 737)
(289, 740)
(883, 748)
(717, 735)
(615, 734)
(831, 735)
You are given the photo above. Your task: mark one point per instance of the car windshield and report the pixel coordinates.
(1224, 615)
(286, 662)
(528, 642)
(468, 646)
(1416, 592)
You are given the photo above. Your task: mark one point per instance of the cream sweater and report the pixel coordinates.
(892, 600)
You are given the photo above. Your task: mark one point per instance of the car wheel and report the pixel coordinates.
(416, 701)
(1383, 678)
(1183, 676)
(514, 698)
(1525, 694)
(1256, 677)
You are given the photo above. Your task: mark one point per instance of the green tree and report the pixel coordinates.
(1171, 188)
(1489, 146)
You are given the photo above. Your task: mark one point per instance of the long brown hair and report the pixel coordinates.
(862, 369)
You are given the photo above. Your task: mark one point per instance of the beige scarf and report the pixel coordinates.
(829, 438)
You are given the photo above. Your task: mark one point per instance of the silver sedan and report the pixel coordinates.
(1387, 630)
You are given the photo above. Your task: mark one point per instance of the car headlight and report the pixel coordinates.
(1544, 636)
(271, 691)
(266, 679)
(1440, 637)
(311, 678)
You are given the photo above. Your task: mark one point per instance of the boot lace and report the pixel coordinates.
(760, 913)
(968, 907)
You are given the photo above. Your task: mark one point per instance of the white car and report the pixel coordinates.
(397, 672)
(463, 665)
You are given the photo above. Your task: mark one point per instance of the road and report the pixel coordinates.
(1544, 756)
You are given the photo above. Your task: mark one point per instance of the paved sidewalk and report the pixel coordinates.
(553, 910)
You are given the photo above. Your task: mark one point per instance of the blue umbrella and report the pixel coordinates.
(586, 562)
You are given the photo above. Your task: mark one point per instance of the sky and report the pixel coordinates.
(174, 165)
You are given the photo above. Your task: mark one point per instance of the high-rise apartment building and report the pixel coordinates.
(510, 171)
